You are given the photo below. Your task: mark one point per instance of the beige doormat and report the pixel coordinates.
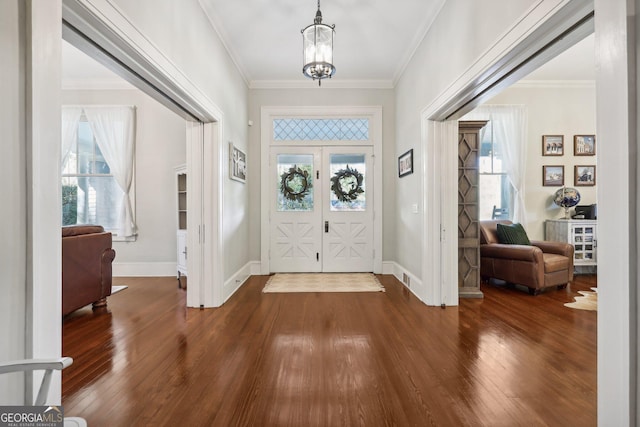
(323, 282)
(588, 301)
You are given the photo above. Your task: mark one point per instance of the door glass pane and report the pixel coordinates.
(295, 182)
(348, 190)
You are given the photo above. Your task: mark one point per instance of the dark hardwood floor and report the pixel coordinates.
(322, 359)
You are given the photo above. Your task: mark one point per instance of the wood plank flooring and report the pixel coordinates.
(321, 359)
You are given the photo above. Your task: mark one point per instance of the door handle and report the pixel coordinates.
(326, 226)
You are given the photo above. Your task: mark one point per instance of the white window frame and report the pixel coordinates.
(493, 173)
(132, 191)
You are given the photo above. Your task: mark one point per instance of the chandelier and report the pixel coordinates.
(317, 49)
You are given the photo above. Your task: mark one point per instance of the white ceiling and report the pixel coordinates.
(575, 64)
(374, 39)
(79, 71)
(264, 40)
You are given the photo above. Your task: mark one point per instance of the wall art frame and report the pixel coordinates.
(584, 176)
(237, 164)
(584, 145)
(552, 145)
(405, 164)
(553, 175)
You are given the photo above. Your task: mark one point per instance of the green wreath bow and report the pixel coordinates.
(295, 184)
(346, 184)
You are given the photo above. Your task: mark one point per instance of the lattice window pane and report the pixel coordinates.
(353, 129)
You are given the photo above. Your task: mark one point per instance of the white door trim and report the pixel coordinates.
(508, 60)
(374, 113)
(43, 258)
(439, 204)
(103, 31)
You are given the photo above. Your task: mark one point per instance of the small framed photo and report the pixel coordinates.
(237, 164)
(405, 163)
(584, 145)
(553, 176)
(584, 176)
(552, 145)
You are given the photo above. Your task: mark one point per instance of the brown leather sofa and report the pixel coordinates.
(543, 264)
(86, 266)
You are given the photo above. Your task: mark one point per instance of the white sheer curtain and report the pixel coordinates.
(114, 130)
(70, 120)
(510, 131)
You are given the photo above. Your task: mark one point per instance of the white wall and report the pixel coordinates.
(160, 146)
(459, 35)
(13, 227)
(184, 35)
(560, 109)
(322, 96)
(445, 48)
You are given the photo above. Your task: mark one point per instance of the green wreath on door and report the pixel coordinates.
(346, 184)
(295, 184)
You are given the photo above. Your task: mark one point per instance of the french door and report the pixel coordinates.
(321, 209)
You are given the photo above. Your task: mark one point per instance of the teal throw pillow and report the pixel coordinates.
(512, 234)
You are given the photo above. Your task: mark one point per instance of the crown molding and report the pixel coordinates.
(217, 26)
(326, 84)
(415, 43)
(555, 84)
(102, 30)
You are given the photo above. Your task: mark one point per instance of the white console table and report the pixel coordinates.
(581, 233)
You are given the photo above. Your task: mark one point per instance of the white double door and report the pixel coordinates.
(321, 209)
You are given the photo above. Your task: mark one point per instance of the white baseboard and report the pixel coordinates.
(256, 268)
(388, 267)
(144, 269)
(234, 283)
(414, 283)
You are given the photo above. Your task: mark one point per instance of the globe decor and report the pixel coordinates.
(566, 197)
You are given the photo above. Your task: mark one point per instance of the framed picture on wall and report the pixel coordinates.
(584, 145)
(584, 176)
(552, 145)
(553, 176)
(237, 164)
(405, 163)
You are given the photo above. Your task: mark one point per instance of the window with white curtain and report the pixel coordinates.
(495, 189)
(503, 159)
(97, 168)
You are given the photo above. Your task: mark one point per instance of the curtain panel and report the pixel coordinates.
(113, 128)
(510, 130)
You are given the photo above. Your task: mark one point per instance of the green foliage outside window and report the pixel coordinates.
(69, 204)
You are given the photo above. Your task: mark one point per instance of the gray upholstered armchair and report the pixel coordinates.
(539, 265)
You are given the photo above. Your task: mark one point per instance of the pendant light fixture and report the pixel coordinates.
(317, 49)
